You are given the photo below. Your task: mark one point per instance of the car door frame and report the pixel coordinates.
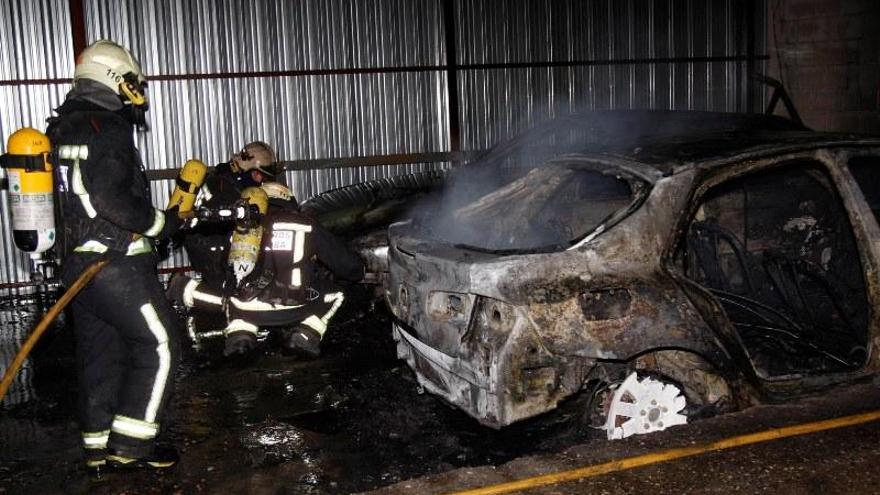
(865, 230)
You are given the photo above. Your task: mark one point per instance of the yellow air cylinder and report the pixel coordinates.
(190, 179)
(256, 196)
(29, 174)
(244, 247)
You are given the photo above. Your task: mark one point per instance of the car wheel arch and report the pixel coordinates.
(707, 389)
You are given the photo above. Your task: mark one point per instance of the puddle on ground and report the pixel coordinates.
(349, 421)
(15, 325)
(36, 429)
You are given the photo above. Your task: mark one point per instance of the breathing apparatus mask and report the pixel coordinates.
(132, 92)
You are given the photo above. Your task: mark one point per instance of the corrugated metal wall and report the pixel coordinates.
(678, 54)
(309, 116)
(29, 49)
(337, 78)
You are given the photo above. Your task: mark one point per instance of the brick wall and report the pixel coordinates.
(827, 53)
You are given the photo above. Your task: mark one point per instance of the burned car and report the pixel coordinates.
(666, 264)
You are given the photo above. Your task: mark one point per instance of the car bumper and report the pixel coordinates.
(448, 377)
(501, 395)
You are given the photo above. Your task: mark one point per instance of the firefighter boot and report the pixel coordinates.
(161, 458)
(239, 342)
(96, 465)
(303, 341)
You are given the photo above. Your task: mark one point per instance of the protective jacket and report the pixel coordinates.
(286, 272)
(126, 332)
(207, 244)
(289, 286)
(104, 192)
(220, 187)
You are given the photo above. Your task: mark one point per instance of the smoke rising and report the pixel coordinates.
(538, 191)
(523, 196)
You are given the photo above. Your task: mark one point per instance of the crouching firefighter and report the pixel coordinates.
(286, 285)
(125, 329)
(207, 243)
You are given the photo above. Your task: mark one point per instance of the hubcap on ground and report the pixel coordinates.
(643, 406)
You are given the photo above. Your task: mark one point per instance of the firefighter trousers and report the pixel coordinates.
(252, 314)
(126, 350)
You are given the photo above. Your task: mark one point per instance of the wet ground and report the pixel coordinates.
(353, 420)
(838, 461)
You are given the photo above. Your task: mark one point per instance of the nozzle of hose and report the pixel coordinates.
(243, 214)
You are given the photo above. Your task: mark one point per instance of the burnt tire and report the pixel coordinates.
(706, 391)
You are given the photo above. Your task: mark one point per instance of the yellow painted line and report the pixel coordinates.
(671, 454)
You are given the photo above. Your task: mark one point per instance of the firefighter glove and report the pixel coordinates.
(173, 222)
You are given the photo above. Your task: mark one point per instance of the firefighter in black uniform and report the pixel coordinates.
(287, 288)
(207, 243)
(126, 332)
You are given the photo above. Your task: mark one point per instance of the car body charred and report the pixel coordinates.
(731, 258)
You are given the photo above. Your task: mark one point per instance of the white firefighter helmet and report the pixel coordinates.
(256, 155)
(113, 66)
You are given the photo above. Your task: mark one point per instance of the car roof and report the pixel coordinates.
(670, 139)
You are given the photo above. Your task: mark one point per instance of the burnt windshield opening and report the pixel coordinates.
(542, 209)
(777, 249)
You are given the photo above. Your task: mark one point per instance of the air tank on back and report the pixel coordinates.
(28, 171)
